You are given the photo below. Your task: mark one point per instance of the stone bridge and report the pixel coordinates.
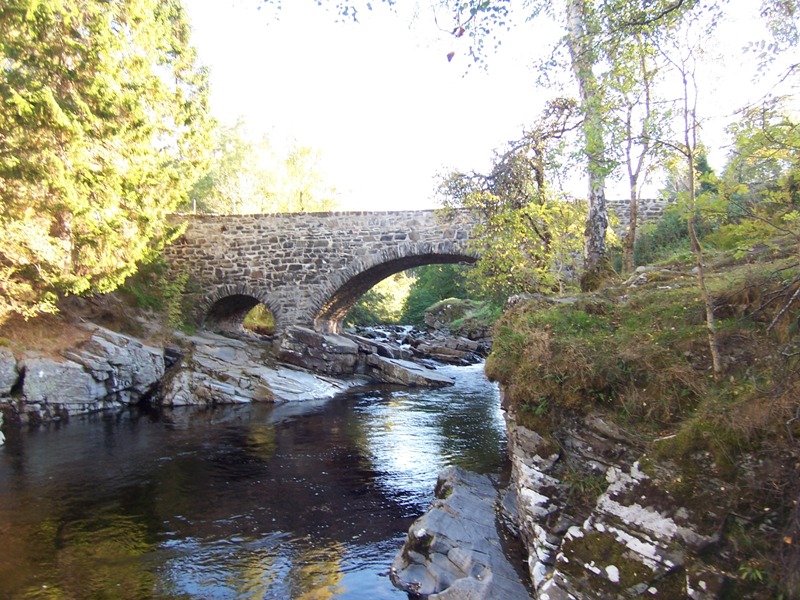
(307, 268)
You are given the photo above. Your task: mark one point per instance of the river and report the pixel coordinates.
(305, 500)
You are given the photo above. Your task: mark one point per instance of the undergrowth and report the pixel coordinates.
(158, 287)
(639, 355)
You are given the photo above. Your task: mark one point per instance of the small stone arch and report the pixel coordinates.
(226, 308)
(340, 295)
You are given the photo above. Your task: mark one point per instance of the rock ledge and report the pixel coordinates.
(454, 552)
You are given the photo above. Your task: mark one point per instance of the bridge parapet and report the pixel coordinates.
(649, 210)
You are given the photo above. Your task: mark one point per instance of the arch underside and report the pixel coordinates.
(229, 312)
(333, 311)
(227, 307)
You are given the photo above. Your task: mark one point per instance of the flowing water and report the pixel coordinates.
(306, 500)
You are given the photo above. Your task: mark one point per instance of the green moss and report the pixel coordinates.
(704, 434)
(647, 467)
(584, 488)
(603, 549)
(421, 544)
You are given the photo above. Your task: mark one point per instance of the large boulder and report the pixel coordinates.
(108, 369)
(217, 369)
(128, 368)
(454, 551)
(318, 352)
(54, 388)
(403, 372)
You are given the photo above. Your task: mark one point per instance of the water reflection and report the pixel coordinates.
(296, 501)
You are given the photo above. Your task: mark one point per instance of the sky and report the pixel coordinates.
(380, 99)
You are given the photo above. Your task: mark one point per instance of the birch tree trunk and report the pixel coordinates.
(582, 55)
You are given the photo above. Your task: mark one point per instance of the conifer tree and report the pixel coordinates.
(102, 128)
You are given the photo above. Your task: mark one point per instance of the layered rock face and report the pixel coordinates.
(635, 539)
(109, 369)
(217, 369)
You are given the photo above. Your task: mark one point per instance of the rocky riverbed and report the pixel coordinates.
(109, 369)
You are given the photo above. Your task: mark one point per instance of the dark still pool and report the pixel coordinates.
(307, 500)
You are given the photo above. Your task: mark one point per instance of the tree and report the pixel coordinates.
(526, 233)
(383, 304)
(683, 59)
(431, 284)
(638, 124)
(583, 57)
(594, 35)
(235, 182)
(304, 187)
(761, 183)
(103, 122)
(248, 176)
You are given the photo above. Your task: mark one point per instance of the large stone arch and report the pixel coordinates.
(226, 307)
(343, 291)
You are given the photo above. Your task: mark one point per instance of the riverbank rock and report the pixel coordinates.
(454, 552)
(434, 345)
(403, 372)
(318, 352)
(127, 368)
(349, 355)
(217, 369)
(8, 372)
(105, 370)
(634, 539)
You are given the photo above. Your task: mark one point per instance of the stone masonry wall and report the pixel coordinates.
(650, 210)
(308, 266)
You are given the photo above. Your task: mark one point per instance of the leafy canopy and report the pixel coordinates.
(103, 121)
(247, 176)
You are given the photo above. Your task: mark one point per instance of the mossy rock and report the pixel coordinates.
(598, 561)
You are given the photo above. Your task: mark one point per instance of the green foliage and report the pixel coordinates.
(260, 320)
(251, 177)
(483, 315)
(158, 287)
(102, 109)
(760, 181)
(369, 310)
(531, 249)
(528, 237)
(431, 284)
(524, 245)
(382, 304)
(663, 239)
